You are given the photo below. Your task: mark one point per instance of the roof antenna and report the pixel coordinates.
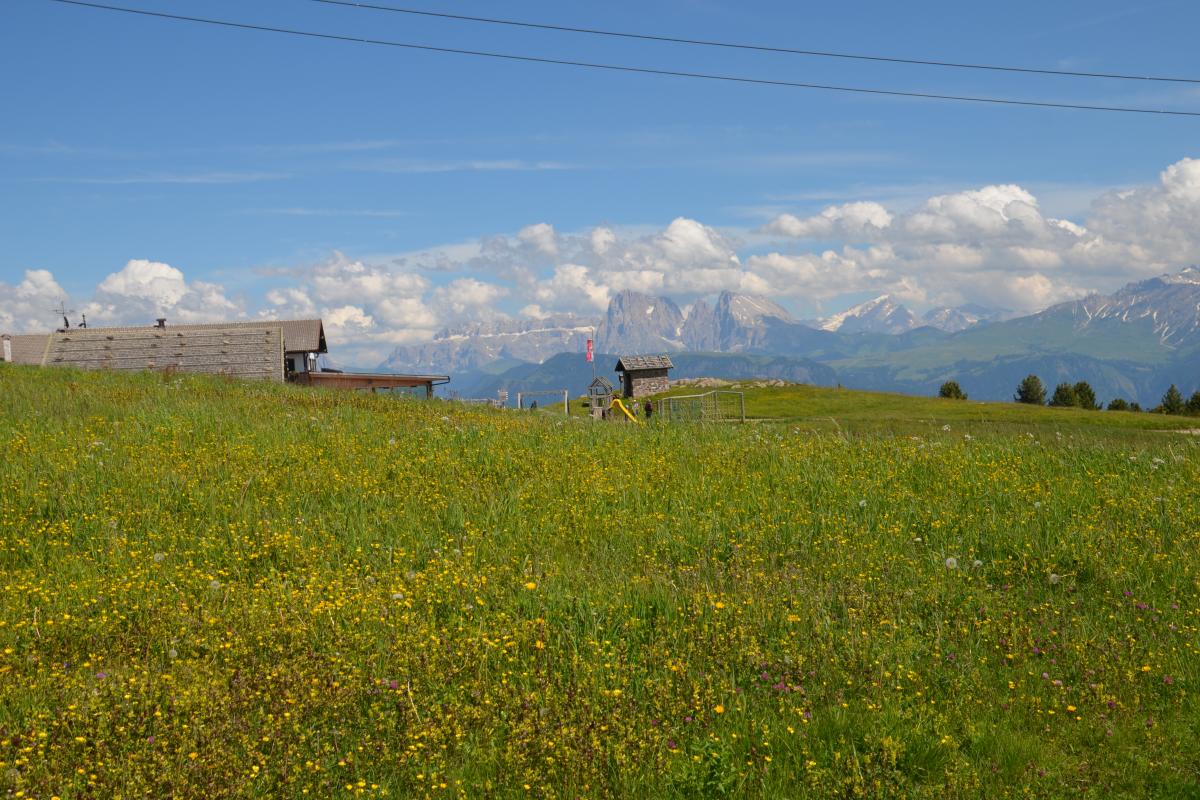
(62, 311)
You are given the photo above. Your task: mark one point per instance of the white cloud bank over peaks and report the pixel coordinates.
(992, 245)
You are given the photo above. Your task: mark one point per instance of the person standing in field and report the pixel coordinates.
(636, 408)
(649, 409)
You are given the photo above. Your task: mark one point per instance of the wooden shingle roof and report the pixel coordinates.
(29, 348)
(634, 363)
(299, 335)
(241, 351)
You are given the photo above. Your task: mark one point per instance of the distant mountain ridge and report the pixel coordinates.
(885, 315)
(959, 318)
(1131, 343)
(475, 345)
(641, 323)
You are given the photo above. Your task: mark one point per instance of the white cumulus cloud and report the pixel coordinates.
(28, 305)
(145, 290)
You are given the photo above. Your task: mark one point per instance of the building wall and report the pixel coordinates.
(646, 382)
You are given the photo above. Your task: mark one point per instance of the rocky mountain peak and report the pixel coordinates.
(879, 315)
(738, 323)
(1169, 305)
(953, 319)
(745, 309)
(640, 323)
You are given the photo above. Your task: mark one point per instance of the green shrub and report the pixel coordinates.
(952, 391)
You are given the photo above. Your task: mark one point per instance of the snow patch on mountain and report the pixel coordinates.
(880, 315)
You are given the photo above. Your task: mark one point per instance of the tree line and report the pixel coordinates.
(1032, 391)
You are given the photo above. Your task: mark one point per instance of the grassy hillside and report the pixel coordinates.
(820, 408)
(216, 589)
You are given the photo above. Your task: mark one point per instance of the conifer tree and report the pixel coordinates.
(1193, 403)
(1031, 391)
(1172, 401)
(1064, 396)
(1085, 396)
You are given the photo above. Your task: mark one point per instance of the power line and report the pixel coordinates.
(622, 68)
(755, 47)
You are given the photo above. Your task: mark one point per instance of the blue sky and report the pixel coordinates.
(251, 161)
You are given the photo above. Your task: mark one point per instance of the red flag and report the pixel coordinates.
(589, 352)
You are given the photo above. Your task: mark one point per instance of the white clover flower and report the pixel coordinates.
(862, 503)
(977, 563)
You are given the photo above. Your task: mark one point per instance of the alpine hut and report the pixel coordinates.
(644, 375)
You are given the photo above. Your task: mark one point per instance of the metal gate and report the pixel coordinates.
(715, 406)
(557, 393)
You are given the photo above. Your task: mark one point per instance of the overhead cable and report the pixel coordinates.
(756, 47)
(628, 69)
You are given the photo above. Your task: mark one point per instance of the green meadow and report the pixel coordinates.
(214, 589)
